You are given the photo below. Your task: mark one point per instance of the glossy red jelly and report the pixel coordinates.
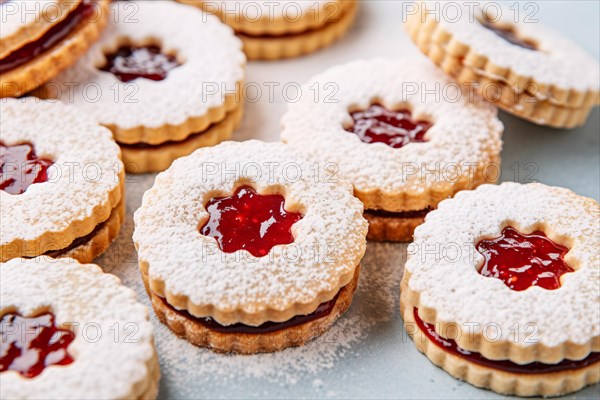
(29, 345)
(508, 33)
(249, 221)
(20, 168)
(133, 62)
(51, 38)
(451, 347)
(522, 261)
(377, 124)
(323, 310)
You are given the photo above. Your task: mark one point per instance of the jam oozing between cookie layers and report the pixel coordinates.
(132, 62)
(522, 261)
(399, 214)
(377, 124)
(249, 221)
(20, 168)
(323, 310)
(450, 346)
(54, 35)
(29, 345)
(508, 33)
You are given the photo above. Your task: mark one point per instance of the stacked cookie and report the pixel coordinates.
(164, 85)
(62, 182)
(39, 40)
(524, 68)
(283, 29)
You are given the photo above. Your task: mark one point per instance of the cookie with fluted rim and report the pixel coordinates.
(401, 133)
(501, 289)
(39, 40)
(164, 75)
(284, 29)
(61, 184)
(261, 251)
(71, 331)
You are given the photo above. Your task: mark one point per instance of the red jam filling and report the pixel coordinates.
(377, 124)
(20, 168)
(508, 33)
(451, 347)
(399, 214)
(132, 62)
(323, 310)
(249, 221)
(29, 345)
(51, 38)
(522, 261)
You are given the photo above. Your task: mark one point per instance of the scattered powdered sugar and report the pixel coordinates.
(189, 371)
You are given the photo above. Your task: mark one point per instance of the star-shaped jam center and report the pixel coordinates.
(249, 221)
(522, 261)
(31, 344)
(396, 128)
(20, 168)
(132, 62)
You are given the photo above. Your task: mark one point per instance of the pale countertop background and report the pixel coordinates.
(367, 353)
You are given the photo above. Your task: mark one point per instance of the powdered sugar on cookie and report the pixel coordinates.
(463, 132)
(194, 274)
(83, 183)
(449, 282)
(211, 64)
(113, 348)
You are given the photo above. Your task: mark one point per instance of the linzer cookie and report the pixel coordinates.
(71, 331)
(524, 67)
(163, 77)
(61, 182)
(40, 39)
(247, 248)
(401, 133)
(283, 29)
(501, 289)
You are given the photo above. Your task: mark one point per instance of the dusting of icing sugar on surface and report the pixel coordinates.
(194, 372)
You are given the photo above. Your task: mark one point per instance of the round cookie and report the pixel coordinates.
(159, 79)
(501, 289)
(285, 29)
(71, 331)
(525, 68)
(251, 259)
(402, 134)
(37, 43)
(61, 184)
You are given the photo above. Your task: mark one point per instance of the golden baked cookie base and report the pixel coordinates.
(57, 240)
(425, 33)
(498, 350)
(48, 17)
(160, 157)
(525, 385)
(100, 242)
(391, 229)
(419, 198)
(46, 66)
(167, 132)
(294, 45)
(148, 389)
(523, 104)
(243, 343)
(270, 25)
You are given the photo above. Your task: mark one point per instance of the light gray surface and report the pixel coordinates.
(367, 354)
